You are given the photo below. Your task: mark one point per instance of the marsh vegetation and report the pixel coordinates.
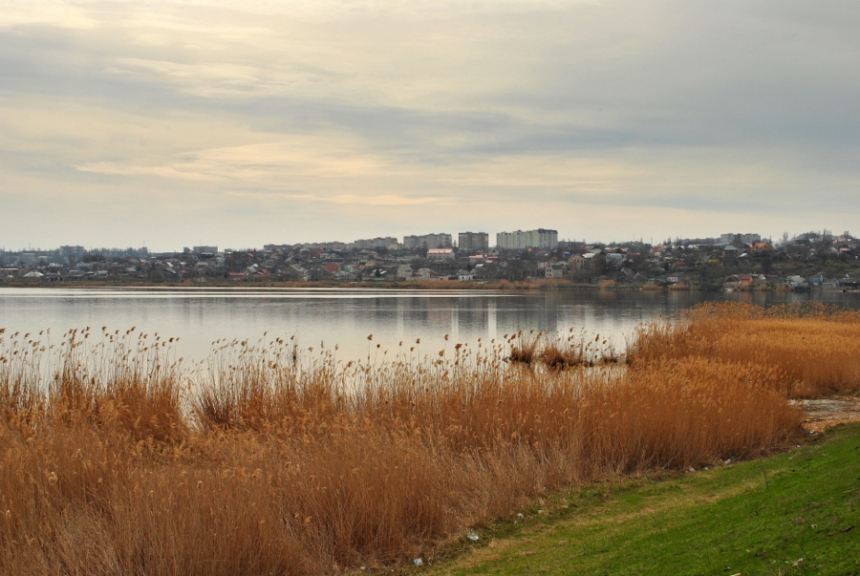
(116, 458)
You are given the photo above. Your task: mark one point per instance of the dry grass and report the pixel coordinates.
(816, 349)
(270, 460)
(560, 352)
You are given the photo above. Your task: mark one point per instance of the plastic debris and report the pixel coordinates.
(521, 516)
(473, 536)
(418, 562)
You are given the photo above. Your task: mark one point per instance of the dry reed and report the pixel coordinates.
(559, 352)
(273, 461)
(815, 348)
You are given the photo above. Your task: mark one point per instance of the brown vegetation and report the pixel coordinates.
(815, 349)
(559, 352)
(268, 460)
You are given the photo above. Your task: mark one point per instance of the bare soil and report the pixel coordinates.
(823, 413)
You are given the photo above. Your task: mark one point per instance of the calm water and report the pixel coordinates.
(347, 316)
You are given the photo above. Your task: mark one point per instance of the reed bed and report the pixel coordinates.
(559, 351)
(815, 348)
(271, 459)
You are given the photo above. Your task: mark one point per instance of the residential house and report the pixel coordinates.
(404, 272)
(440, 254)
(554, 270)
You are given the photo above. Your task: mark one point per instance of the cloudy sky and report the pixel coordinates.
(173, 124)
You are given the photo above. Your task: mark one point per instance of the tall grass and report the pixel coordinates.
(267, 459)
(815, 348)
(562, 351)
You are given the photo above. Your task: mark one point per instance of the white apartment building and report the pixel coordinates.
(519, 240)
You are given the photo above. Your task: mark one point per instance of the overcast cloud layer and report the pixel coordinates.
(238, 124)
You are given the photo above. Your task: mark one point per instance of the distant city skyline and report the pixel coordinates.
(542, 239)
(183, 123)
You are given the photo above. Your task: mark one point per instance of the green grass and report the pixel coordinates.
(756, 517)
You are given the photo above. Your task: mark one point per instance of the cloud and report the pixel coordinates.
(55, 14)
(259, 164)
(397, 111)
(348, 199)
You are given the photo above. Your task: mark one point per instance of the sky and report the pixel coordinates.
(238, 124)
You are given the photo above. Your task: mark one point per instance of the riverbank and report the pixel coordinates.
(793, 513)
(533, 285)
(524, 285)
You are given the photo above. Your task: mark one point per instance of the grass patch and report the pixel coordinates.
(794, 513)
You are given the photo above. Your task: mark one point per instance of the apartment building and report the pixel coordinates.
(519, 240)
(429, 241)
(473, 241)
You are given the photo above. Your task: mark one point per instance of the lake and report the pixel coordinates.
(346, 317)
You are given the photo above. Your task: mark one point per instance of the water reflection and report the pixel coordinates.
(347, 317)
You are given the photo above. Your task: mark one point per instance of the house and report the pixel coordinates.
(732, 282)
(404, 272)
(730, 252)
(440, 254)
(554, 270)
(8, 273)
(817, 280)
(465, 276)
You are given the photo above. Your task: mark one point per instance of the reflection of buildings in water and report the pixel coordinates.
(401, 315)
(462, 318)
(491, 320)
(471, 318)
(525, 314)
(347, 319)
(439, 313)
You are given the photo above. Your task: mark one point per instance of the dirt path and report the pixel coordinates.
(826, 412)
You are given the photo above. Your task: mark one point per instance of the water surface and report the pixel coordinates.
(346, 317)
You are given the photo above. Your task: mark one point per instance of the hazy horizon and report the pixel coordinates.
(172, 124)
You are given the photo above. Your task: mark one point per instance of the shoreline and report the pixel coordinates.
(535, 285)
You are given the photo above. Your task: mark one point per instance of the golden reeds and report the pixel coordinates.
(559, 351)
(267, 459)
(815, 348)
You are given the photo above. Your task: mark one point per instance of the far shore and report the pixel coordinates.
(538, 284)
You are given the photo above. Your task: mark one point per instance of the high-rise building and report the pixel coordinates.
(388, 242)
(546, 239)
(429, 241)
(519, 240)
(473, 241)
(731, 238)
